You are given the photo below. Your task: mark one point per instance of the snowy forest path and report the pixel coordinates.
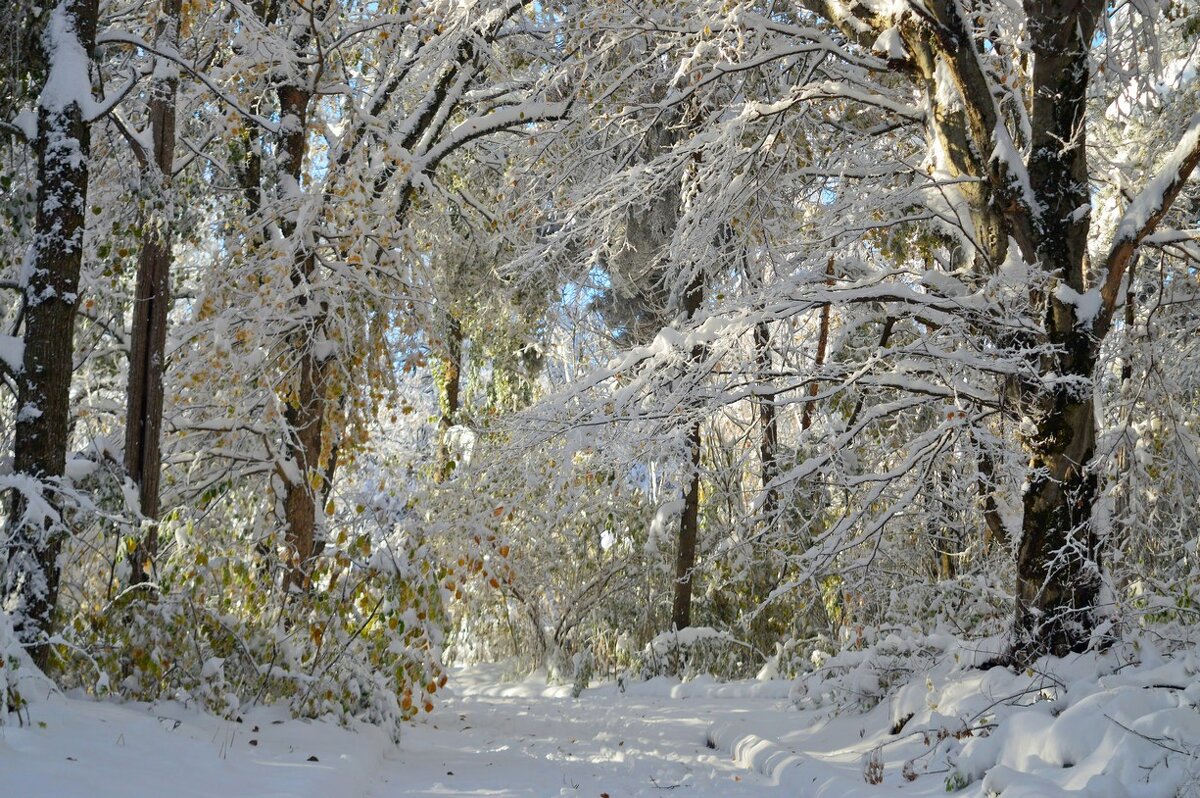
(529, 741)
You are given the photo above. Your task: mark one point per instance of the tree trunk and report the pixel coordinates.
(50, 298)
(1058, 560)
(452, 364)
(768, 445)
(689, 532)
(1058, 567)
(305, 413)
(995, 533)
(305, 421)
(822, 346)
(144, 410)
(689, 519)
(1048, 217)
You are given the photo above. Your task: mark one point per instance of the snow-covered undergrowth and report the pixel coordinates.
(216, 630)
(691, 652)
(919, 714)
(20, 680)
(58, 745)
(914, 714)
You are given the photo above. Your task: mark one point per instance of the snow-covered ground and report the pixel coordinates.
(1119, 724)
(77, 748)
(523, 739)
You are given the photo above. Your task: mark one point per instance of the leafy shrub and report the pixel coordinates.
(363, 644)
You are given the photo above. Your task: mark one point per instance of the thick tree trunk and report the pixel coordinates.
(147, 356)
(50, 298)
(1058, 560)
(1048, 217)
(1058, 574)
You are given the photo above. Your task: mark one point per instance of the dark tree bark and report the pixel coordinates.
(147, 356)
(1058, 560)
(44, 383)
(689, 533)
(768, 445)
(689, 519)
(995, 533)
(822, 346)
(451, 390)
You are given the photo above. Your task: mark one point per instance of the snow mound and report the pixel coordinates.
(1114, 724)
(21, 682)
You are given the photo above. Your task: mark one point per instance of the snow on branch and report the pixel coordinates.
(114, 98)
(22, 132)
(515, 116)
(1013, 167)
(1144, 214)
(1155, 199)
(172, 55)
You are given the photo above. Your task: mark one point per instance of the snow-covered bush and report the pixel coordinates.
(12, 660)
(695, 651)
(21, 683)
(363, 644)
(860, 678)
